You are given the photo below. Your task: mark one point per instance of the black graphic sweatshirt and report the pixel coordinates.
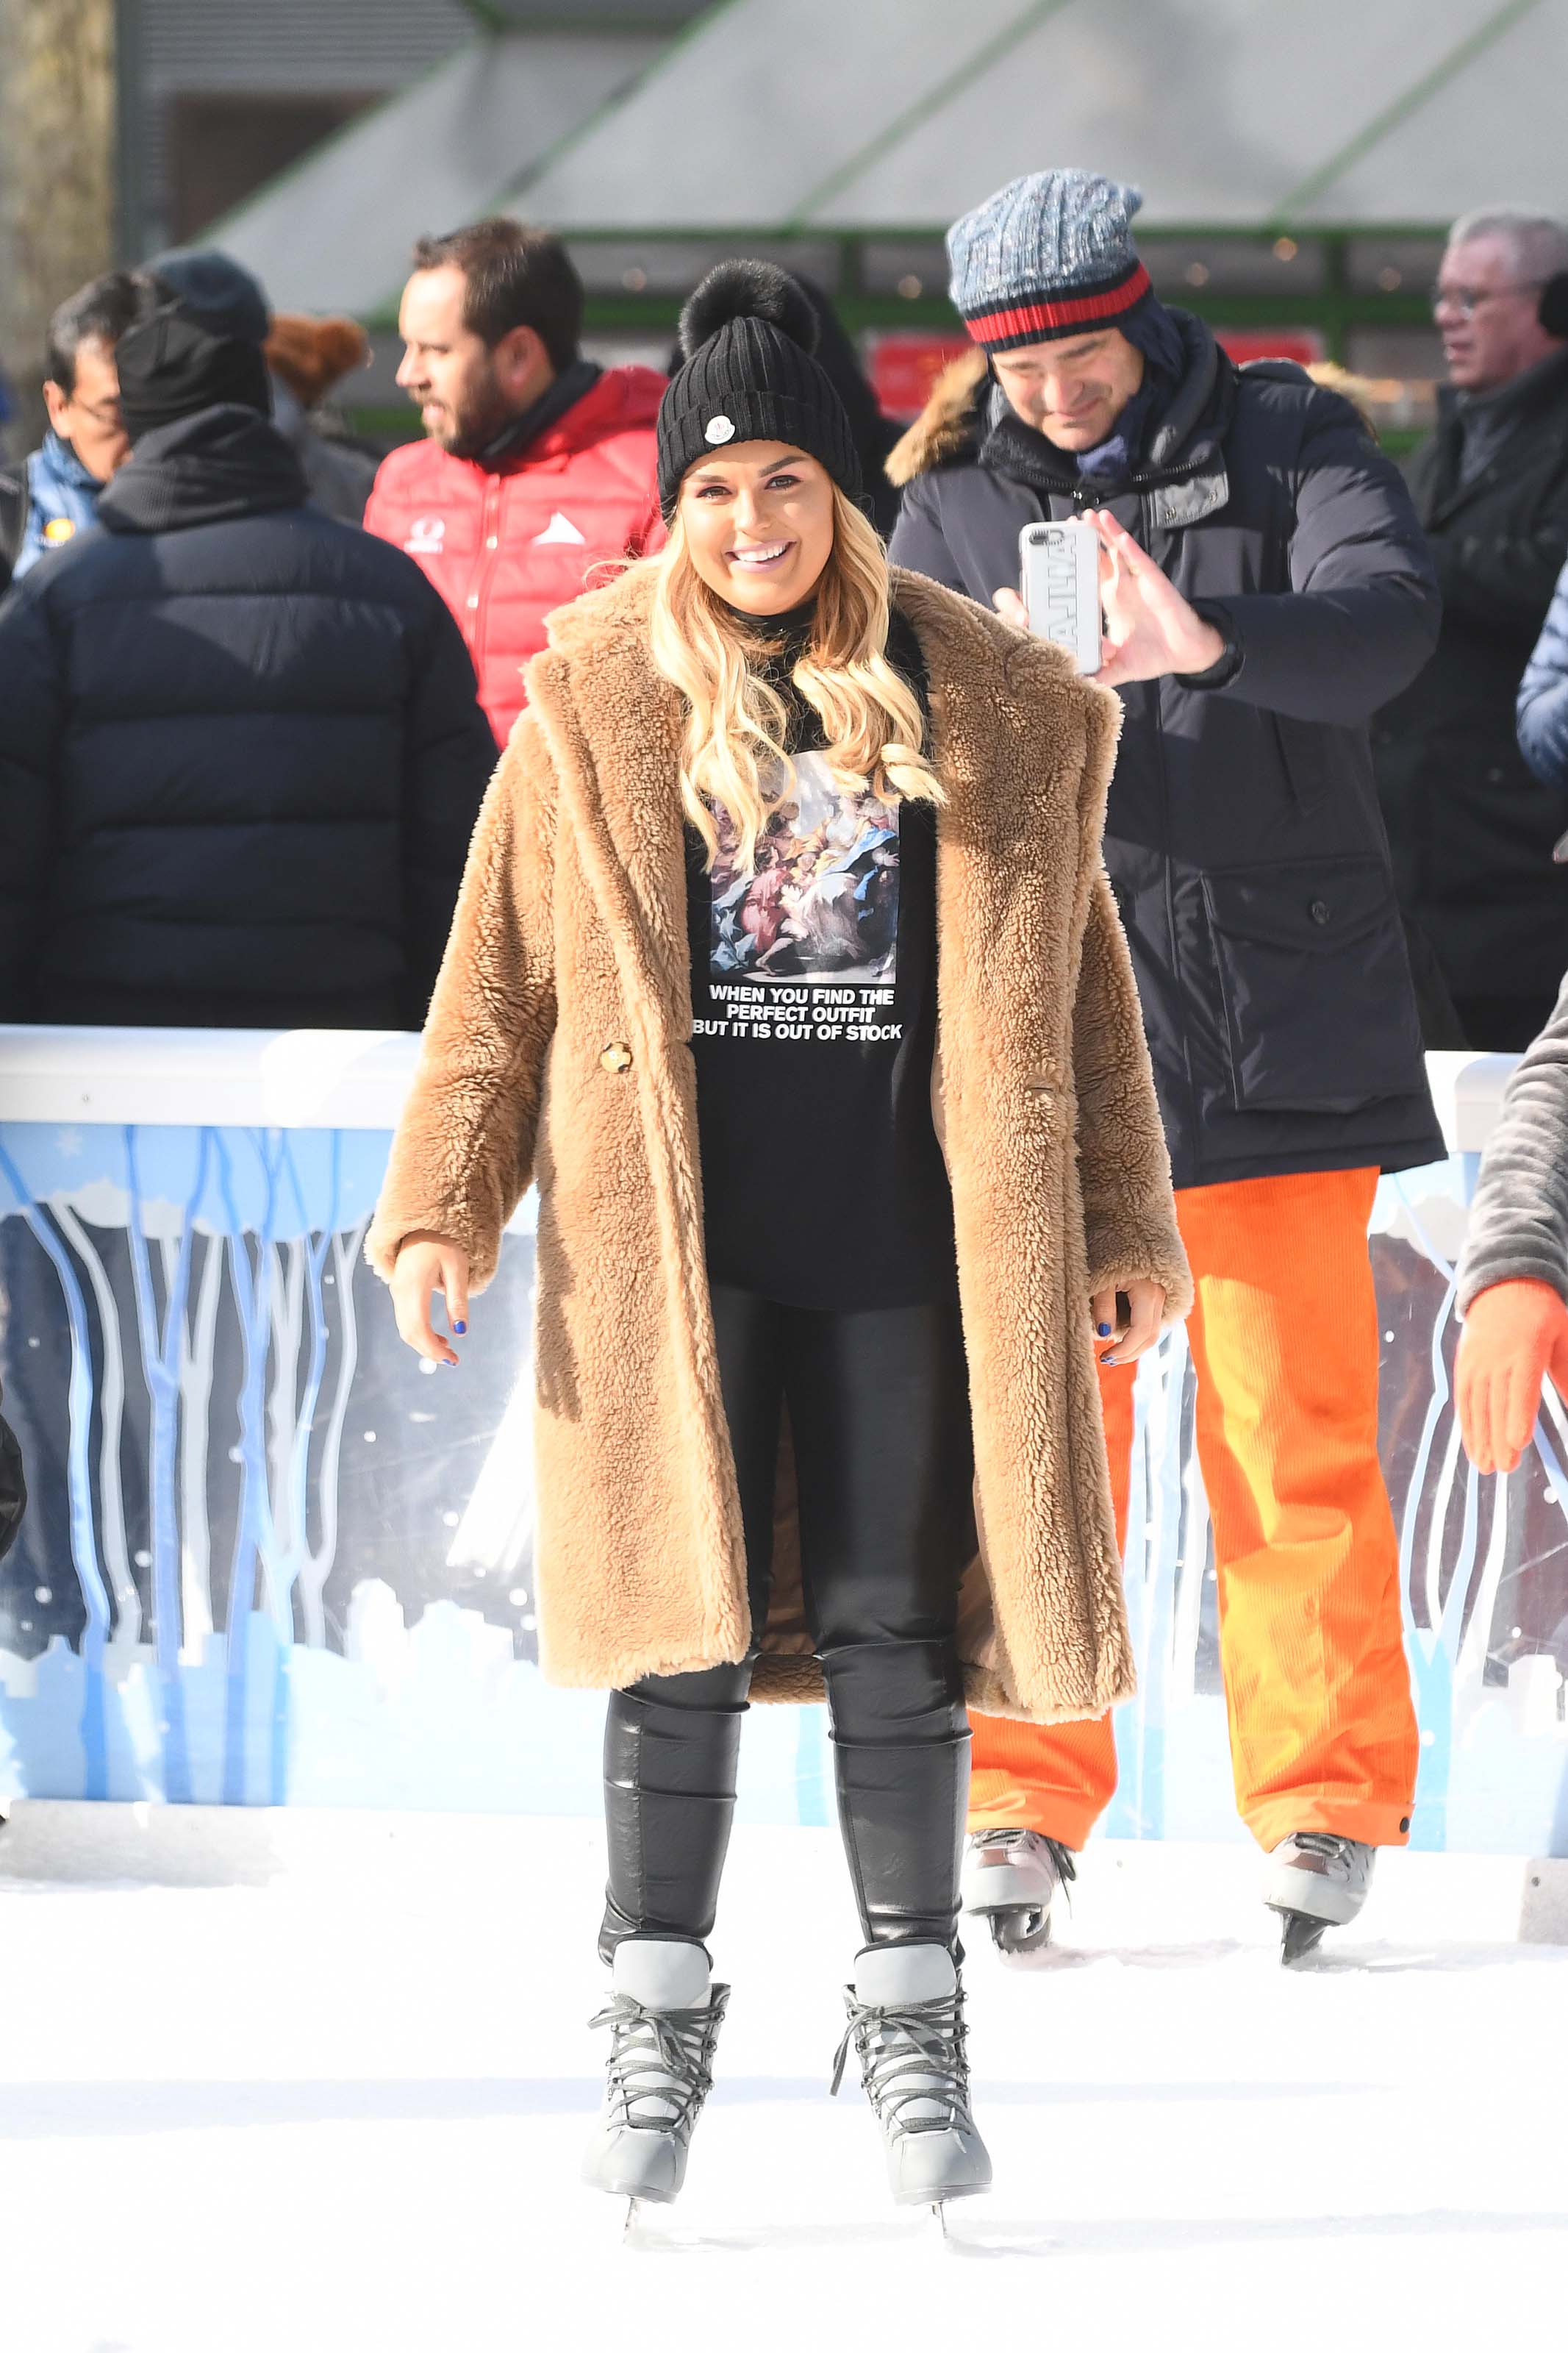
(813, 1006)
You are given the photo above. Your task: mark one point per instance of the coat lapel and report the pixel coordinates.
(627, 812)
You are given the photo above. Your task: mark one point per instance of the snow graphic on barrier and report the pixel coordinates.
(269, 1557)
(273, 1557)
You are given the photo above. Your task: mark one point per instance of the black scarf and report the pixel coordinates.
(565, 392)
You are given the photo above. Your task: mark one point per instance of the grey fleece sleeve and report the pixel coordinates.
(1519, 1219)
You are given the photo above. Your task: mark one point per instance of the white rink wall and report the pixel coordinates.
(272, 1560)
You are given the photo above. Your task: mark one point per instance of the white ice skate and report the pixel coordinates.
(1010, 1880)
(664, 2019)
(906, 2024)
(1315, 1881)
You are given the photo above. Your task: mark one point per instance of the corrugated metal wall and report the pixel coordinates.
(293, 43)
(273, 45)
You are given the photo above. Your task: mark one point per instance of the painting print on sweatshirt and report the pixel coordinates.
(807, 939)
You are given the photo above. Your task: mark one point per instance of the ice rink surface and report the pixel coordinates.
(342, 2105)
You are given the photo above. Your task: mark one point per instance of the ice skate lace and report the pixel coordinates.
(924, 2041)
(1329, 1844)
(660, 2060)
(1062, 1856)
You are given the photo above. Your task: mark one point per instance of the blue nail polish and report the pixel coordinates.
(1103, 1330)
(459, 1327)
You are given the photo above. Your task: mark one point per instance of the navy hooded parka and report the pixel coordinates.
(1243, 837)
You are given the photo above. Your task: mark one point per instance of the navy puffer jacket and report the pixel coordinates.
(241, 755)
(1242, 837)
(1544, 696)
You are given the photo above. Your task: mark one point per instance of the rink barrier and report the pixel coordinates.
(271, 1561)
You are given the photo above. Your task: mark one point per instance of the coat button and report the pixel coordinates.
(1319, 910)
(615, 1058)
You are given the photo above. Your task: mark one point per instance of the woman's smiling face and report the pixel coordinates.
(758, 520)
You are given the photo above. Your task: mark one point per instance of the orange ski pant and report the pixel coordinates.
(1285, 1346)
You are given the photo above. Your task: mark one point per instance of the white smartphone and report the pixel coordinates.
(1059, 565)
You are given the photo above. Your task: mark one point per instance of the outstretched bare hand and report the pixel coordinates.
(1151, 630)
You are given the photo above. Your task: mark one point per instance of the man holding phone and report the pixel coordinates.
(1266, 588)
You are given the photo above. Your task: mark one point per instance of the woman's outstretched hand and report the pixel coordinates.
(427, 1263)
(1146, 1305)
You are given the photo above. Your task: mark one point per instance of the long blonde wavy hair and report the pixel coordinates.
(737, 723)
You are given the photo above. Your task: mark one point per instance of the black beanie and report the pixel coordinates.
(748, 334)
(170, 365)
(219, 291)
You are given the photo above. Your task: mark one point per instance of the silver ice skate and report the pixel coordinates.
(664, 2018)
(1316, 1880)
(906, 2024)
(1010, 1880)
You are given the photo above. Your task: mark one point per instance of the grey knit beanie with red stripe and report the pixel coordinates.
(1048, 256)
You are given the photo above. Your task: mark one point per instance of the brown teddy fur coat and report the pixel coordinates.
(556, 1051)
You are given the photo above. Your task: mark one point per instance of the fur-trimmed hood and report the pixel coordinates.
(557, 1050)
(948, 423)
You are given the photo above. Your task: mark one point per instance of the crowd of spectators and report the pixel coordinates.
(535, 468)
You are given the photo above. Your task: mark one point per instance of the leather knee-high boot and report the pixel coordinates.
(669, 1800)
(901, 1765)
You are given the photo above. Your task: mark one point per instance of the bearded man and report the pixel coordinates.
(537, 465)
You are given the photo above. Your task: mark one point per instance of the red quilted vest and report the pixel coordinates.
(505, 547)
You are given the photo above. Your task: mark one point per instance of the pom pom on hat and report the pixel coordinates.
(747, 289)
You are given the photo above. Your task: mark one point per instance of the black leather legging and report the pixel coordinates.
(878, 1406)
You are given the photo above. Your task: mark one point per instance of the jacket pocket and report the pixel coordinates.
(1306, 760)
(1316, 998)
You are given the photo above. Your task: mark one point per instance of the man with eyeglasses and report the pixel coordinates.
(1472, 830)
(45, 502)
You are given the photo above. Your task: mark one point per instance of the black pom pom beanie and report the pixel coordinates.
(748, 334)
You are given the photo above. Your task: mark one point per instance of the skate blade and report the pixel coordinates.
(1020, 1938)
(939, 2207)
(1301, 1934)
(640, 2209)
